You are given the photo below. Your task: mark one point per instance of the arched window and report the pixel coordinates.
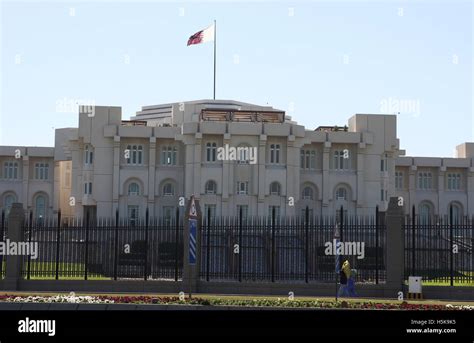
(425, 213)
(275, 188)
(341, 193)
(307, 193)
(40, 206)
(457, 212)
(211, 187)
(8, 202)
(133, 189)
(168, 189)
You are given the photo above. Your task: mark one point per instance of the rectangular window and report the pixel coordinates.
(209, 211)
(10, 170)
(133, 214)
(425, 180)
(242, 187)
(245, 211)
(41, 171)
(398, 180)
(341, 159)
(277, 211)
(275, 153)
(134, 154)
(168, 213)
(308, 159)
(211, 152)
(168, 155)
(88, 188)
(454, 181)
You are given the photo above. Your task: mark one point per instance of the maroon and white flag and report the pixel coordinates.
(203, 36)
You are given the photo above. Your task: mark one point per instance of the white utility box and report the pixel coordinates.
(414, 284)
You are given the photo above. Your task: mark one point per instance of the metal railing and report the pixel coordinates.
(105, 249)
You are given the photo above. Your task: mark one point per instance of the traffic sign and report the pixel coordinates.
(192, 240)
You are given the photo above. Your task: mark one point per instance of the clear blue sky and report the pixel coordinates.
(320, 61)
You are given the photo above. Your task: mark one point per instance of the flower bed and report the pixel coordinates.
(285, 303)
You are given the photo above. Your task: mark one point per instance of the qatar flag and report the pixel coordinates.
(203, 36)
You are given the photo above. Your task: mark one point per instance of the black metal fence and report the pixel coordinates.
(3, 233)
(439, 249)
(103, 249)
(291, 249)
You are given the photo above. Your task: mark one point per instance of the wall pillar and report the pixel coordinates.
(14, 234)
(395, 248)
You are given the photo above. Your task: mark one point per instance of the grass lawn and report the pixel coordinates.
(67, 271)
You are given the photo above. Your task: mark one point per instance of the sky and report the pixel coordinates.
(320, 61)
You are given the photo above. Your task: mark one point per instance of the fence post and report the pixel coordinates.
(413, 250)
(176, 237)
(2, 234)
(395, 248)
(451, 254)
(30, 230)
(208, 242)
(15, 233)
(306, 248)
(191, 271)
(377, 244)
(86, 257)
(273, 244)
(240, 243)
(116, 243)
(57, 244)
(145, 262)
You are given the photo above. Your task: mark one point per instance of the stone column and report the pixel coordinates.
(14, 234)
(395, 248)
(191, 271)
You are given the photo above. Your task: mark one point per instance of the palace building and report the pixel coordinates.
(172, 150)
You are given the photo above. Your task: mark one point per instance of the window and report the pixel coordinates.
(10, 170)
(303, 213)
(245, 211)
(243, 155)
(88, 188)
(275, 153)
(88, 155)
(168, 213)
(274, 209)
(307, 193)
(242, 187)
(169, 155)
(398, 180)
(133, 189)
(383, 163)
(168, 189)
(457, 212)
(41, 171)
(308, 159)
(7, 204)
(211, 152)
(211, 187)
(425, 213)
(209, 212)
(133, 214)
(454, 181)
(135, 154)
(40, 206)
(275, 188)
(341, 159)
(383, 195)
(425, 180)
(341, 194)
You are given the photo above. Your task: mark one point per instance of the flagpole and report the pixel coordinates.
(215, 29)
